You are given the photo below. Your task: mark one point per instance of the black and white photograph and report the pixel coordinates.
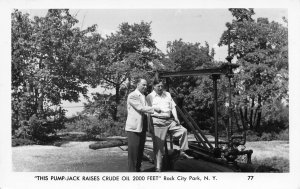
(144, 96)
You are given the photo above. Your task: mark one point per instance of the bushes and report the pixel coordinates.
(37, 129)
(81, 123)
(255, 136)
(21, 142)
(106, 127)
(267, 136)
(283, 135)
(95, 127)
(252, 136)
(276, 118)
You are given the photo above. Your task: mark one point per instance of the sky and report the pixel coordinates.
(190, 25)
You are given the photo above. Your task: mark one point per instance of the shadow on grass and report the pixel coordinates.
(274, 164)
(57, 140)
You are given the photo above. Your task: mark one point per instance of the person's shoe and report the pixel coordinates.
(183, 155)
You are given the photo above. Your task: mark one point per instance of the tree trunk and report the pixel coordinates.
(117, 101)
(36, 101)
(242, 119)
(254, 119)
(246, 115)
(258, 119)
(236, 120)
(40, 103)
(128, 87)
(40, 94)
(251, 114)
(257, 124)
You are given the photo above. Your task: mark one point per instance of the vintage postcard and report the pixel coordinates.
(149, 94)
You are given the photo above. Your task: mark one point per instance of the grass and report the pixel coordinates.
(274, 164)
(57, 140)
(270, 156)
(254, 136)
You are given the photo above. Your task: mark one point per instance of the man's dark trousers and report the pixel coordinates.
(136, 143)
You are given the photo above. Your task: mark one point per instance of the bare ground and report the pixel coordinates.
(70, 157)
(77, 157)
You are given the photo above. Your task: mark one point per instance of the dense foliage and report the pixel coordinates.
(261, 84)
(121, 57)
(195, 93)
(48, 66)
(53, 60)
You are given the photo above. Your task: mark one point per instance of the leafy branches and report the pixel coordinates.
(49, 63)
(123, 56)
(261, 48)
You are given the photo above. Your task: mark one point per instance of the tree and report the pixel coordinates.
(196, 92)
(261, 49)
(21, 43)
(124, 55)
(100, 106)
(48, 63)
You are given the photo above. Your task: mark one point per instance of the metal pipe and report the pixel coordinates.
(198, 138)
(220, 142)
(194, 123)
(229, 75)
(223, 69)
(167, 84)
(195, 147)
(197, 128)
(215, 78)
(230, 111)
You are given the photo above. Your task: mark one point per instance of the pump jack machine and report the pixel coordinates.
(202, 147)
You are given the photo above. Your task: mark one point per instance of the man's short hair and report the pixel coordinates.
(139, 79)
(157, 81)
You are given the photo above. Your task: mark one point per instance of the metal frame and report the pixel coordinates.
(202, 147)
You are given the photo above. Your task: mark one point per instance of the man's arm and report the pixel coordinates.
(174, 111)
(149, 119)
(135, 102)
(149, 100)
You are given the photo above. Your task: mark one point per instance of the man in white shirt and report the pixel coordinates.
(163, 122)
